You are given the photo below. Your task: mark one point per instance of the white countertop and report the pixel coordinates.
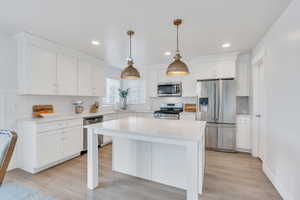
(172, 129)
(66, 116)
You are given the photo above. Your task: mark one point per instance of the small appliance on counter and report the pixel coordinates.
(95, 107)
(78, 107)
(169, 111)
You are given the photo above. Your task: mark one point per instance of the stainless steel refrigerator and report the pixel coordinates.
(216, 104)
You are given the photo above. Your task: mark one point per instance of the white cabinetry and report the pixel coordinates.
(85, 73)
(226, 69)
(98, 81)
(163, 78)
(151, 82)
(189, 83)
(45, 68)
(243, 76)
(243, 133)
(72, 141)
(41, 71)
(49, 148)
(44, 144)
(67, 75)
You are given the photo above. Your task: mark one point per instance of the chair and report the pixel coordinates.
(8, 141)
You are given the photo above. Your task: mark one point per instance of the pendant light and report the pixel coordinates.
(177, 67)
(130, 72)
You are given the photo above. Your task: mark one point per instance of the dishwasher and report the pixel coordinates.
(89, 121)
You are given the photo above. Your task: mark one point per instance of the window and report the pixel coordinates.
(112, 93)
(136, 93)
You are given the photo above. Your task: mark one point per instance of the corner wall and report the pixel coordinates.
(282, 102)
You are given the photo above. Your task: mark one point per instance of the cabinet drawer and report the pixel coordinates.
(74, 122)
(49, 126)
(43, 127)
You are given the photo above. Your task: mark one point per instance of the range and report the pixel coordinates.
(169, 111)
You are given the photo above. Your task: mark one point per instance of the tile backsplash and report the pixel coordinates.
(61, 104)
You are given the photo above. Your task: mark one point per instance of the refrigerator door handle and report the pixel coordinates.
(220, 106)
(215, 104)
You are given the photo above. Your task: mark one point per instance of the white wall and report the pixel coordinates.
(282, 101)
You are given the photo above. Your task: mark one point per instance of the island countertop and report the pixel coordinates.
(164, 128)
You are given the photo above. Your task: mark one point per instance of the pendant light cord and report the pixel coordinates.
(177, 50)
(130, 47)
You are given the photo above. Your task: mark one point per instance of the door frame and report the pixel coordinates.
(258, 141)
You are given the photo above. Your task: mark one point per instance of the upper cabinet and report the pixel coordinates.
(243, 76)
(151, 82)
(45, 68)
(98, 80)
(67, 75)
(85, 78)
(41, 71)
(163, 78)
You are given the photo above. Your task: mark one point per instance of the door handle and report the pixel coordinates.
(258, 115)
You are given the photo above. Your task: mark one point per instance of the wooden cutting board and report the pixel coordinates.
(190, 108)
(37, 110)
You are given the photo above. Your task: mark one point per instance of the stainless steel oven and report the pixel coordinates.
(171, 89)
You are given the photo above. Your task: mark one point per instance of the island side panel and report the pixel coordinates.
(92, 160)
(163, 163)
(132, 157)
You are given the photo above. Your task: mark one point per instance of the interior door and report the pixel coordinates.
(207, 100)
(226, 108)
(258, 134)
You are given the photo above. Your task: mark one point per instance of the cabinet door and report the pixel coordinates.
(72, 141)
(67, 75)
(162, 77)
(42, 65)
(243, 79)
(49, 148)
(84, 78)
(243, 137)
(98, 81)
(226, 69)
(152, 81)
(189, 83)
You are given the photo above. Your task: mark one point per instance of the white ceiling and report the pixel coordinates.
(207, 25)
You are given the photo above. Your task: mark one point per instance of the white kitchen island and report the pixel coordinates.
(167, 151)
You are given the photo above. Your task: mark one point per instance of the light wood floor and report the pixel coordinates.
(227, 177)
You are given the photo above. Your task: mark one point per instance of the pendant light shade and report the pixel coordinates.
(177, 67)
(130, 72)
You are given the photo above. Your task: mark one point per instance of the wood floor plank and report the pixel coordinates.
(227, 177)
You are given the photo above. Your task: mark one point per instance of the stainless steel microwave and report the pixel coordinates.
(172, 89)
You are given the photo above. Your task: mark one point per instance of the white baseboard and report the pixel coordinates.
(280, 188)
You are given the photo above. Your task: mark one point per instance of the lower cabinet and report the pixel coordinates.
(72, 141)
(243, 133)
(43, 145)
(49, 148)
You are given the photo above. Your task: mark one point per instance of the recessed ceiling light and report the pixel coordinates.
(95, 42)
(167, 53)
(226, 45)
